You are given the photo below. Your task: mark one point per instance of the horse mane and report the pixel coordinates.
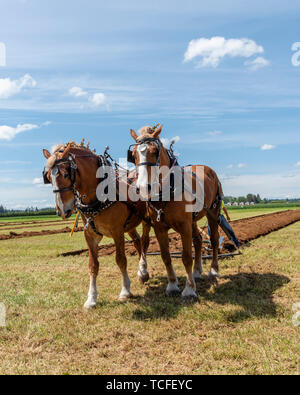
(146, 131)
(59, 148)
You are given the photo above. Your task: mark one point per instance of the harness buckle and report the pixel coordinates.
(159, 213)
(87, 223)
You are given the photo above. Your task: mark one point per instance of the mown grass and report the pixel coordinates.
(240, 325)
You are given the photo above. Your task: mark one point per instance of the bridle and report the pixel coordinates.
(72, 170)
(173, 163)
(145, 140)
(72, 173)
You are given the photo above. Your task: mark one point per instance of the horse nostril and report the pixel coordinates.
(58, 213)
(68, 213)
(137, 190)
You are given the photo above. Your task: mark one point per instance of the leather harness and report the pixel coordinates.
(92, 209)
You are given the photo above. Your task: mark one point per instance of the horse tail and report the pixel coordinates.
(220, 189)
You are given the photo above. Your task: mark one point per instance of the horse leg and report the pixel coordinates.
(143, 274)
(187, 258)
(214, 239)
(163, 240)
(197, 239)
(92, 242)
(122, 263)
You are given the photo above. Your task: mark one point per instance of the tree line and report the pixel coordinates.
(252, 198)
(28, 211)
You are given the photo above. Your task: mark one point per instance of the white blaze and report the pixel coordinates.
(58, 200)
(142, 181)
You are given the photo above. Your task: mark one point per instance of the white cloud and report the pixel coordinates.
(8, 132)
(166, 142)
(213, 50)
(257, 63)
(297, 164)
(10, 87)
(47, 123)
(229, 166)
(241, 165)
(37, 181)
(97, 99)
(267, 147)
(77, 91)
(214, 133)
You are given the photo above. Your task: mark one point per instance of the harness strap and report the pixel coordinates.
(133, 210)
(90, 222)
(146, 164)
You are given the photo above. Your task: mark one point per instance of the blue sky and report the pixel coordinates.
(236, 93)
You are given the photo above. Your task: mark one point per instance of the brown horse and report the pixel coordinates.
(72, 171)
(150, 157)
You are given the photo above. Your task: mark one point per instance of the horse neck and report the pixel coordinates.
(164, 158)
(87, 181)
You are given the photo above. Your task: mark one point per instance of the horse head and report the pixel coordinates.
(60, 171)
(148, 155)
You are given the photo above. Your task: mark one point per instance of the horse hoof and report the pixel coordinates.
(197, 275)
(188, 293)
(143, 277)
(172, 289)
(89, 305)
(213, 275)
(125, 297)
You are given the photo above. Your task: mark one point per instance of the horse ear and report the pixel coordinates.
(66, 151)
(157, 132)
(46, 153)
(133, 134)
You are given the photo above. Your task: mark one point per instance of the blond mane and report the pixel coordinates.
(59, 148)
(146, 131)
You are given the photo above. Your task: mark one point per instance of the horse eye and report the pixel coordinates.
(66, 175)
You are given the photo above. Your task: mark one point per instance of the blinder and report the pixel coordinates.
(130, 157)
(45, 178)
(72, 174)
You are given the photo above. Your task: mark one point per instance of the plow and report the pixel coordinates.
(246, 229)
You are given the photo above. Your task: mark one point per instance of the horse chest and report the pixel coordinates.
(106, 230)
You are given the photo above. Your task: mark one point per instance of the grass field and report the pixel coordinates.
(242, 325)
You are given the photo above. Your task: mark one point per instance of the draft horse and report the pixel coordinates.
(72, 171)
(149, 153)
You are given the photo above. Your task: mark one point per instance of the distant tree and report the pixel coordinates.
(250, 198)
